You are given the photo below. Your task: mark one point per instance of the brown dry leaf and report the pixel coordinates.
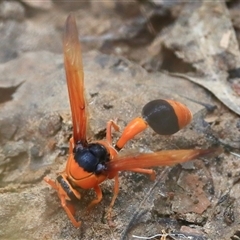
(198, 202)
(204, 40)
(45, 4)
(220, 88)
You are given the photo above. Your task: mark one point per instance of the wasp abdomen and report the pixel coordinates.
(166, 117)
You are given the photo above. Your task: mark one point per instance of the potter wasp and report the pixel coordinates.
(91, 163)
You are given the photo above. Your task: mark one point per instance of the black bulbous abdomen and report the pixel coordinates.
(161, 117)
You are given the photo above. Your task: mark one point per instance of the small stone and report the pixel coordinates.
(50, 124)
(11, 10)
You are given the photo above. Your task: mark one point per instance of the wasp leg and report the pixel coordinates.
(115, 194)
(69, 209)
(97, 200)
(51, 183)
(151, 172)
(71, 145)
(111, 124)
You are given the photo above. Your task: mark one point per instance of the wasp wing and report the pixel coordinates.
(75, 79)
(161, 158)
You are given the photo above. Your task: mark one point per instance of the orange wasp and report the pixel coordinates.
(89, 164)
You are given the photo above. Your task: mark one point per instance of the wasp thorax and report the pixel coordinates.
(92, 158)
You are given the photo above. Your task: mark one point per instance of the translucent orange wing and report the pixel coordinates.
(162, 158)
(75, 79)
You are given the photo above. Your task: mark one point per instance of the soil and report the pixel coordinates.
(133, 52)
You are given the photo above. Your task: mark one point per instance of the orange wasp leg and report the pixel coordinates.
(136, 126)
(97, 200)
(111, 124)
(115, 194)
(69, 210)
(51, 183)
(151, 172)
